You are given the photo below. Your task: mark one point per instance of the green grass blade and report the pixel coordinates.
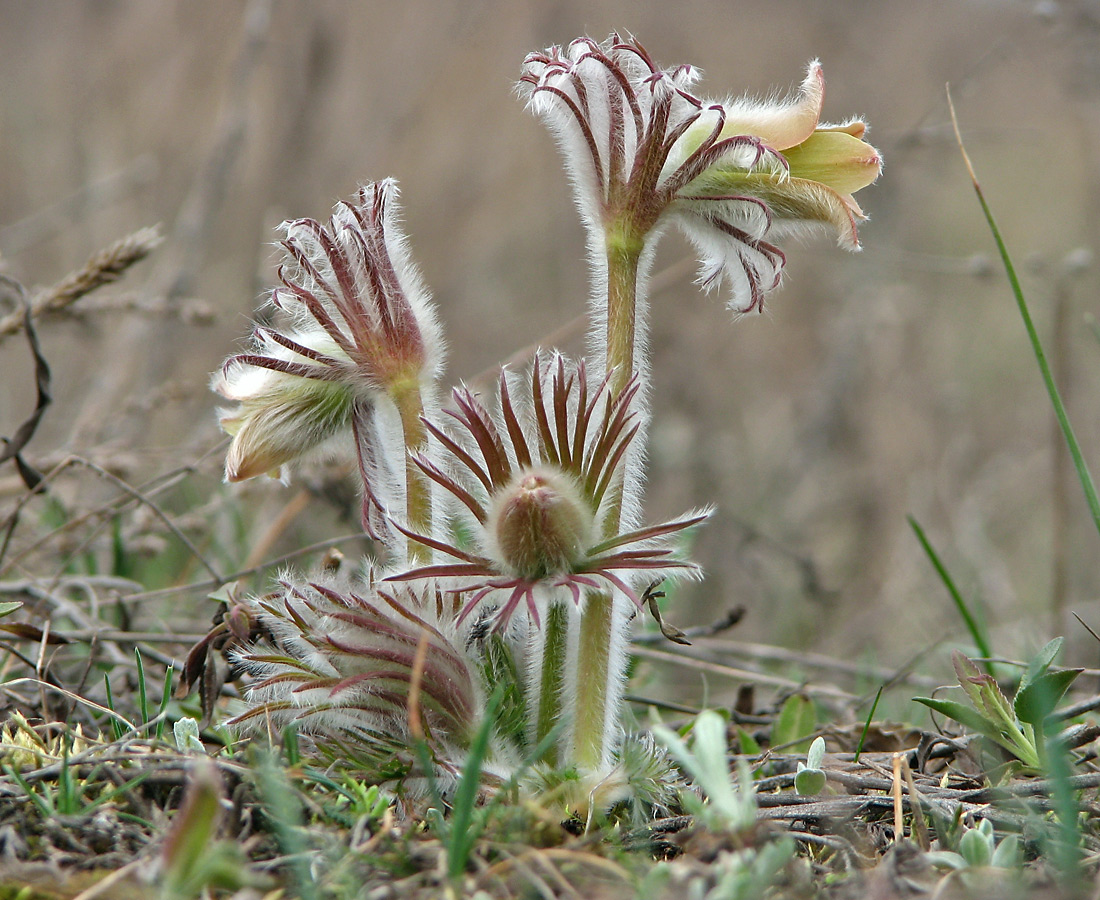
(462, 833)
(867, 724)
(1079, 463)
(976, 633)
(283, 806)
(116, 725)
(143, 698)
(291, 748)
(45, 807)
(66, 791)
(1066, 852)
(165, 698)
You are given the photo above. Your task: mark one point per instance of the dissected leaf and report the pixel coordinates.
(975, 721)
(966, 670)
(982, 689)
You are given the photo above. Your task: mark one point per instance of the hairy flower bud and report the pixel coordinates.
(541, 523)
(356, 325)
(535, 495)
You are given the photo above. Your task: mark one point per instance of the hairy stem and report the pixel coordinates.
(624, 253)
(418, 501)
(599, 669)
(594, 687)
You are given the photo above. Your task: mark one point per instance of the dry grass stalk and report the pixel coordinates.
(103, 267)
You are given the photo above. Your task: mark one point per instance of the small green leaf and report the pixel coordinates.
(809, 782)
(1008, 855)
(816, 754)
(976, 847)
(749, 745)
(186, 733)
(1035, 702)
(961, 713)
(1042, 661)
(7, 607)
(796, 722)
(945, 859)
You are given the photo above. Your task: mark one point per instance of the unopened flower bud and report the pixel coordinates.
(542, 524)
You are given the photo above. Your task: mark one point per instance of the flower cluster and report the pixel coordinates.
(510, 529)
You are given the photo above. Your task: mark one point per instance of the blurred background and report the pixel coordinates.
(876, 386)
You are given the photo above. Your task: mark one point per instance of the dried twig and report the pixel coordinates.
(146, 500)
(13, 447)
(147, 491)
(681, 658)
(212, 584)
(801, 658)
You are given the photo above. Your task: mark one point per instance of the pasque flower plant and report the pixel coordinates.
(513, 525)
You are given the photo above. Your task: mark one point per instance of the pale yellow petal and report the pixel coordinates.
(836, 159)
(288, 421)
(856, 128)
(796, 203)
(780, 124)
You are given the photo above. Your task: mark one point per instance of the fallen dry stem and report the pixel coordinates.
(682, 659)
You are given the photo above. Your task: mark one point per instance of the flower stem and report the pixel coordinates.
(590, 721)
(418, 501)
(600, 668)
(623, 258)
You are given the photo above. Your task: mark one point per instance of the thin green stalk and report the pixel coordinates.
(867, 724)
(143, 697)
(976, 632)
(1079, 463)
(624, 254)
